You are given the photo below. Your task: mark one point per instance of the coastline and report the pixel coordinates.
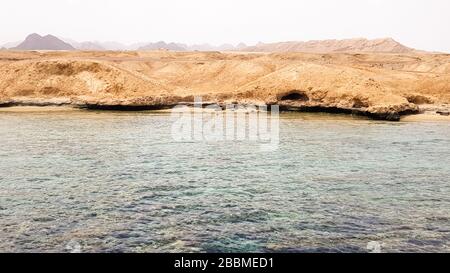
(42, 108)
(378, 86)
(427, 117)
(29, 109)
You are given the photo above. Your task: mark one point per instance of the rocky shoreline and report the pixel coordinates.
(284, 106)
(388, 116)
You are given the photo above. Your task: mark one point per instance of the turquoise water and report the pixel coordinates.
(110, 181)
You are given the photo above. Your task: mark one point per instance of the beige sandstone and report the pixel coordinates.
(379, 85)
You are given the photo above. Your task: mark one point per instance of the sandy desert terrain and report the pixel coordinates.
(382, 86)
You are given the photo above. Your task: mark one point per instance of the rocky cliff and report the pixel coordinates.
(382, 86)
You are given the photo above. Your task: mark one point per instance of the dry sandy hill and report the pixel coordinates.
(382, 86)
(387, 45)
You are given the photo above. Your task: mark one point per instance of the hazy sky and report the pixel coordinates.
(423, 24)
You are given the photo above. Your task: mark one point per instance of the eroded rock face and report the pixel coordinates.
(376, 85)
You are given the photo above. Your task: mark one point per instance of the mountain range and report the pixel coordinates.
(327, 46)
(50, 42)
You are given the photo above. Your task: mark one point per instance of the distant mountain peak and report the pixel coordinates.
(49, 36)
(33, 36)
(49, 42)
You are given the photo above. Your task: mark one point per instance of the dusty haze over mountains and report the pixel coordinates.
(359, 45)
(421, 24)
(50, 42)
(349, 45)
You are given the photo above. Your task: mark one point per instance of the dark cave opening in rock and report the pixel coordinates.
(295, 96)
(357, 103)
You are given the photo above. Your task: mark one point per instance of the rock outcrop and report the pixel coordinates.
(382, 86)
